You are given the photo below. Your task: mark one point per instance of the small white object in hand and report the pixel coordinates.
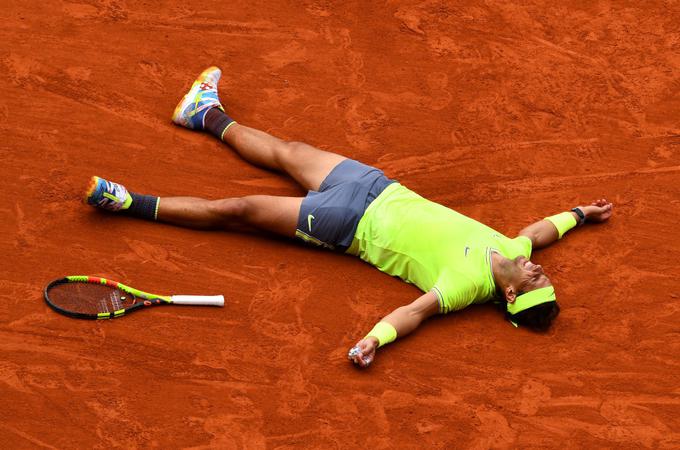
(354, 351)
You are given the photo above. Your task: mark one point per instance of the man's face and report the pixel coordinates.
(528, 276)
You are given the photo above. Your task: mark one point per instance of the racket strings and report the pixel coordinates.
(89, 298)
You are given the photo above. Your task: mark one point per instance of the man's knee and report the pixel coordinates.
(297, 147)
(289, 152)
(230, 209)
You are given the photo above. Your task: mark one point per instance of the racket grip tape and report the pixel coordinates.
(204, 300)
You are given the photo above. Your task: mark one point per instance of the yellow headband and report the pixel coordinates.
(532, 298)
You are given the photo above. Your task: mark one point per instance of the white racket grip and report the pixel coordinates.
(202, 300)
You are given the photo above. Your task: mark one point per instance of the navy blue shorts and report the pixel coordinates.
(329, 217)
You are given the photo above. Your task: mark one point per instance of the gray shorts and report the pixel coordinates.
(329, 217)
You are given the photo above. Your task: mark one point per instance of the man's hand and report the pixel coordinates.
(598, 211)
(404, 320)
(363, 353)
(544, 233)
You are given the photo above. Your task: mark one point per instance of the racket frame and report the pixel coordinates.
(149, 299)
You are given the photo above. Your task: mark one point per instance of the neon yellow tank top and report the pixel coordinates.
(433, 247)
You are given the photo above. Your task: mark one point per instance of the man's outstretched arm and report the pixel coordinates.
(546, 231)
(398, 323)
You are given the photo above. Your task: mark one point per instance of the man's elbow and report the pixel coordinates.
(422, 312)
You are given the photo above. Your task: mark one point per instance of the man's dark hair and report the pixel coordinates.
(538, 317)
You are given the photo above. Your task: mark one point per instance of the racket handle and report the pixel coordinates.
(202, 300)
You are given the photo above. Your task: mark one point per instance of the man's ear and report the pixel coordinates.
(510, 294)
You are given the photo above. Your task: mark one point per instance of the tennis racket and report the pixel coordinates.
(87, 297)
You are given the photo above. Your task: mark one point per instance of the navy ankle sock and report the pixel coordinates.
(217, 122)
(143, 206)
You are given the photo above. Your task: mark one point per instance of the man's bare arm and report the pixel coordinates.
(404, 320)
(543, 233)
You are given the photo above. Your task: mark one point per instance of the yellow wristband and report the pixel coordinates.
(383, 332)
(563, 222)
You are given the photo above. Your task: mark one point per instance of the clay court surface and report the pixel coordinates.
(506, 113)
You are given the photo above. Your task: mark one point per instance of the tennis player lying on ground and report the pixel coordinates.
(354, 208)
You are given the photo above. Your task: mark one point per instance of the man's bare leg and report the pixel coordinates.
(264, 212)
(306, 164)
(200, 109)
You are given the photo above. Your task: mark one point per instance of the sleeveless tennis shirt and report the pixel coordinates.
(432, 247)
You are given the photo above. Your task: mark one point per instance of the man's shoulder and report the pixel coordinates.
(456, 289)
(513, 247)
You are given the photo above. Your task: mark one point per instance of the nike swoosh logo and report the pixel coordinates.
(309, 222)
(111, 197)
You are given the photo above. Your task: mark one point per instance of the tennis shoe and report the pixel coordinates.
(107, 195)
(191, 110)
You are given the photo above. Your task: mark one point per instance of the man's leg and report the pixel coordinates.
(200, 109)
(306, 164)
(264, 212)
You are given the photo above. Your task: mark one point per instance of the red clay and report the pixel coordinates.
(505, 112)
